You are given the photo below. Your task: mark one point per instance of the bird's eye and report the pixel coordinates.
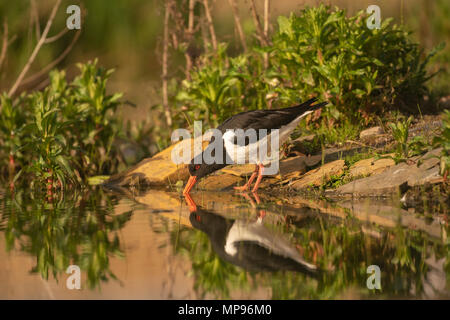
(197, 167)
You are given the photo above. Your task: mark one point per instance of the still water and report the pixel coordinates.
(154, 245)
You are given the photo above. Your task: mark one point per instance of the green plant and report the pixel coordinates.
(325, 53)
(405, 147)
(318, 52)
(12, 123)
(220, 87)
(47, 142)
(443, 141)
(64, 133)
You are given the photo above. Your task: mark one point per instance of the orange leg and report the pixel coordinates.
(262, 213)
(246, 186)
(258, 181)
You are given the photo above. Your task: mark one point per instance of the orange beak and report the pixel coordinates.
(190, 184)
(191, 204)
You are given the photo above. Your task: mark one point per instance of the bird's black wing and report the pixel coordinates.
(268, 119)
(265, 119)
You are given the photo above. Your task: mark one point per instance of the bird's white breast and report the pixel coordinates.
(256, 232)
(262, 151)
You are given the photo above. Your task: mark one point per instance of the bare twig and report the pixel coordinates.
(203, 28)
(237, 21)
(35, 17)
(259, 29)
(189, 35)
(266, 18)
(210, 24)
(52, 64)
(165, 94)
(266, 30)
(57, 36)
(4, 43)
(36, 49)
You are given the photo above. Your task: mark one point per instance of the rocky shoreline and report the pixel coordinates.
(327, 173)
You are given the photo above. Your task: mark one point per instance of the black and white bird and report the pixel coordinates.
(241, 149)
(250, 245)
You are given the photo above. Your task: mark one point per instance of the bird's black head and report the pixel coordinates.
(214, 225)
(200, 169)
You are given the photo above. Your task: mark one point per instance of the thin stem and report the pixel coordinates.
(164, 64)
(52, 64)
(36, 49)
(257, 22)
(4, 43)
(210, 24)
(237, 21)
(35, 17)
(189, 35)
(266, 30)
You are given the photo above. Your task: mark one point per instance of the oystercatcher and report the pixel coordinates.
(250, 245)
(240, 148)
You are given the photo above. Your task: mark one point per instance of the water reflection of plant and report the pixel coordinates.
(343, 247)
(79, 229)
(213, 276)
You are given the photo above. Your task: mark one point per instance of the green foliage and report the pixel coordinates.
(64, 133)
(327, 54)
(405, 147)
(318, 52)
(222, 86)
(341, 248)
(63, 232)
(443, 141)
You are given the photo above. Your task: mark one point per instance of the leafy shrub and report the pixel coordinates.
(327, 54)
(405, 147)
(443, 141)
(67, 131)
(320, 53)
(222, 86)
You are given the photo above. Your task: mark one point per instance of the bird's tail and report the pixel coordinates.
(305, 108)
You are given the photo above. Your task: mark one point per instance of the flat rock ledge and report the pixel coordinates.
(396, 179)
(372, 177)
(158, 170)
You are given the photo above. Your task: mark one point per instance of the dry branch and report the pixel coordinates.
(4, 43)
(165, 93)
(210, 24)
(57, 36)
(189, 35)
(35, 17)
(259, 29)
(52, 64)
(36, 49)
(266, 30)
(237, 21)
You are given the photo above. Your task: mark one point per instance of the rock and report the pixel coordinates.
(374, 131)
(317, 176)
(219, 182)
(166, 204)
(294, 165)
(287, 166)
(242, 170)
(370, 166)
(157, 170)
(396, 178)
(300, 144)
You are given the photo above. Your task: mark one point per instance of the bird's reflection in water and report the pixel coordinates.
(250, 245)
